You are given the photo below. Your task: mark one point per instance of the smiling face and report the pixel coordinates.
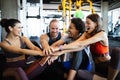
(93, 24)
(54, 28)
(90, 25)
(16, 30)
(73, 32)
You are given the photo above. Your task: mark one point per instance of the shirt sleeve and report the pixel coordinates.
(65, 38)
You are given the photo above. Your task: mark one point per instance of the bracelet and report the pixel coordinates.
(60, 48)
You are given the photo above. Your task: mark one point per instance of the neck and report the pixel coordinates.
(10, 36)
(77, 36)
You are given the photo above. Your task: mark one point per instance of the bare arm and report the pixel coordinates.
(55, 44)
(44, 43)
(5, 46)
(29, 44)
(101, 36)
(58, 43)
(57, 52)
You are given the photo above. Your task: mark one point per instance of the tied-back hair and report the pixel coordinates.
(96, 19)
(79, 24)
(8, 22)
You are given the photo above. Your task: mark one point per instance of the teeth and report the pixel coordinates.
(87, 29)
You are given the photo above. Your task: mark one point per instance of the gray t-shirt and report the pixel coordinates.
(66, 38)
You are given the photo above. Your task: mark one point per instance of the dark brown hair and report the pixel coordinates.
(8, 22)
(79, 24)
(96, 19)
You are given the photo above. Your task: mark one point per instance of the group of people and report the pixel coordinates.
(84, 42)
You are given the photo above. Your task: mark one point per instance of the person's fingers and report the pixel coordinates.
(44, 52)
(52, 60)
(52, 49)
(49, 52)
(49, 61)
(44, 60)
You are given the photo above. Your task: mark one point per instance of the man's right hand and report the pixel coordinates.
(48, 50)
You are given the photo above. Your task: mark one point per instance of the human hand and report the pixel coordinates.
(48, 50)
(54, 49)
(44, 60)
(52, 59)
(57, 53)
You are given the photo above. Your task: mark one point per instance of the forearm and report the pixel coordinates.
(58, 43)
(31, 52)
(44, 44)
(47, 49)
(71, 46)
(73, 50)
(36, 48)
(67, 51)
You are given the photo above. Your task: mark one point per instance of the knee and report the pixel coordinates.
(83, 74)
(115, 52)
(115, 58)
(14, 73)
(116, 49)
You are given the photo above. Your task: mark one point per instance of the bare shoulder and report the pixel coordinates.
(104, 37)
(102, 34)
(4, 44)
